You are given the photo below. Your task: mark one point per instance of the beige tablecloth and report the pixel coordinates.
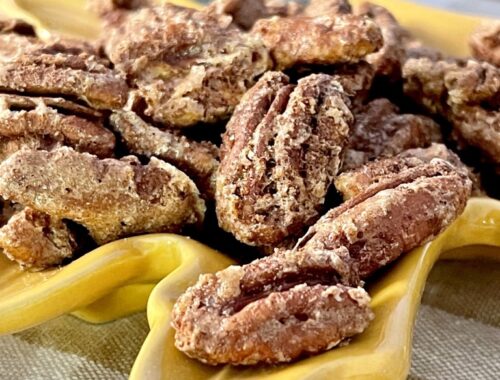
(457, 335)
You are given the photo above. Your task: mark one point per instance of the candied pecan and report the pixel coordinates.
(188, 66)
(356, 80)
(16, 26)
(272, 310)
(111, 198)
(36, 240)
(245, 13)
(43, 123)
(197, 159)
(353, 182)
(59, 67)
(279, 155)
(485, 42)
(394, 215)
(466, 93)
(380, 130)
(318, 40)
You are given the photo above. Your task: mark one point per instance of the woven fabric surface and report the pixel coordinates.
(457, 335)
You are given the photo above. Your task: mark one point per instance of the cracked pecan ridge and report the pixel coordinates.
(279, 155)
(485, 42)
(45, 123)
(111, 198)
(250, 314)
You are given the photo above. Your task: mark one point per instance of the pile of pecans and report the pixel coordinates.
(100, 141)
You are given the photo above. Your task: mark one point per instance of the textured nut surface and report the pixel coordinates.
(353, 182)
(381, 131)
(318, 40)
(111, 198)
(272, 310)
(36, 240)
(394, 215)
(280, 153)
(44, 123)
(466, 93)
(59, 68)
(189, 66)
(485, 43)
(197, 159)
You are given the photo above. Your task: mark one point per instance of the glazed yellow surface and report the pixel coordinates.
(117, 279)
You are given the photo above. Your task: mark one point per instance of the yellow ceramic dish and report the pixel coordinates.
(117, 279)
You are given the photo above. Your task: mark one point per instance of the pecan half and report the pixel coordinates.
(44, 123)
(36, 240)
(317, 8)
(271, 310)
(318, 40)
(465, 93)
(354, 182)
(59, 68)
(111, 198)
(394, 215)
(280, 153)
(381, 131)
(189, 66)
(485, 42)
(198, 159)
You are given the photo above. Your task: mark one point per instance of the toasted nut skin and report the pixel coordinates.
(111, 198)
(280, 153)
(272, 310)
(36, 240)
(38, 123)
(466, 93)
(394, 215)
(381, 131)
(197, 159)
(485, 42)
(354, 182)
(324, 40)
(188, 66)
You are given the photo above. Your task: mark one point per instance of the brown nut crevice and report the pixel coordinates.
(280, 153)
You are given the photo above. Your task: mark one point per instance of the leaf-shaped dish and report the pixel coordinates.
(117, 279)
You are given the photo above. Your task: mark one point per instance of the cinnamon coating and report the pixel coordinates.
(353, 182)
(36, 240)
(485, 42)
(272, 310)
(59, 68)
(327, 40)
(381, 131)
(111, 198)
(188, 66)
(280, 153)
(466, 93)
(44, 123)
(197, 159)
